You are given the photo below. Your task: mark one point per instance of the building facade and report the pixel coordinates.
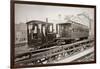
(20, 33)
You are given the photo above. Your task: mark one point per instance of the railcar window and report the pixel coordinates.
(30, 27)
(75, 30)
(44, 30)
(72, 30)
(57, 29)
(39, 25)
(50, 28)
(35, 30)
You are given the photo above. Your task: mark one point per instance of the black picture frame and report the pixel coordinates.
(12, 12)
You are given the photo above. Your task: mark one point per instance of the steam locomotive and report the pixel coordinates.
(41, 34)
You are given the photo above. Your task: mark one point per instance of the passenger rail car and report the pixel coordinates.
(71, 31)
(40, 34)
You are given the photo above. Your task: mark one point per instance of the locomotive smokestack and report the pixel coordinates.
(46, 20)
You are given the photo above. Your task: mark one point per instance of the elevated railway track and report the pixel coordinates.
(55, 54)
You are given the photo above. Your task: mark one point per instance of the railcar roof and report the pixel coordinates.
(37, 22)
(64, 23)
(79, 24)
(69, 22)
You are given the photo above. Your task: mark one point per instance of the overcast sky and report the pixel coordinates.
(26, 12)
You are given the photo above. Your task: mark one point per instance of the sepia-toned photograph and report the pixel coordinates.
(52, 33)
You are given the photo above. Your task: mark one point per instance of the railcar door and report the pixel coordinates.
(49, 32)
(34, 37)
(65, 30)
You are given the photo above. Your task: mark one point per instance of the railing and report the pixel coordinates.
(53, 53)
